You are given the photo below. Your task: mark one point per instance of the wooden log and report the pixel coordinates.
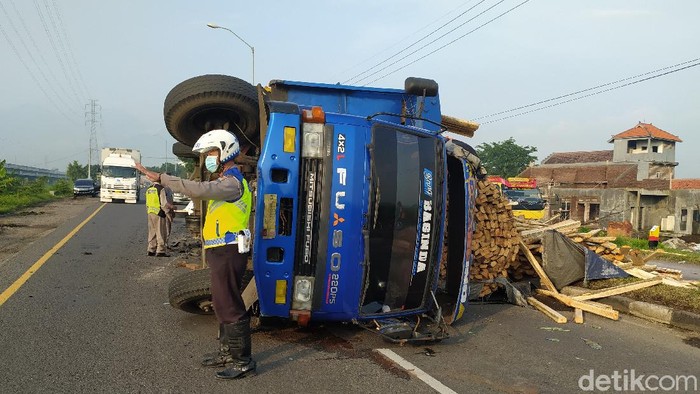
(549, 312)
(617, 290)
(587, 306)
(538, 269)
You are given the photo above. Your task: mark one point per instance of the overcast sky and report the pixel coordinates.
(57, 55)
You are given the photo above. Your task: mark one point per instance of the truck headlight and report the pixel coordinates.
(303, 292)
(312, 146)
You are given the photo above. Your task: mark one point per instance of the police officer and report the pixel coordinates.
(157, 206)
(228, 212)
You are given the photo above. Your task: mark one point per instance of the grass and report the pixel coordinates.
(671, 254)
(675, 297)
(13, 202)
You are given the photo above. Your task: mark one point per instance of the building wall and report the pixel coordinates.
(642, 149)
(688, 202)
(618, 205)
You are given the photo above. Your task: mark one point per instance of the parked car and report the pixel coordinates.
(179, 198)
(84, 187)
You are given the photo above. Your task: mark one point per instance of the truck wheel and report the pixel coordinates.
(183, 151)
(190, 292)
(208, 102)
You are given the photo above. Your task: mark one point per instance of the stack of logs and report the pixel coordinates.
(495, 240)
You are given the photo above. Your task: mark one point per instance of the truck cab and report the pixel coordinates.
(355, 187)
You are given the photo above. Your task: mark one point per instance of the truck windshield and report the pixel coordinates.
(119, 172)
(403, 202)
(522, 193)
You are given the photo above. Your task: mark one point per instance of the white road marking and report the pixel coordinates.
(417, 372)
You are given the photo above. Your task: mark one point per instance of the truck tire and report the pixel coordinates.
(190, 292)
(183, 151)
(208, 102)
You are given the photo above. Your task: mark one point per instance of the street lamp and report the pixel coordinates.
(252, 50)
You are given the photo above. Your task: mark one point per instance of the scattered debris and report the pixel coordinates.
(554, 329)
(553, 339)
(592, 344)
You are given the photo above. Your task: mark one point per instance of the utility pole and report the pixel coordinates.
(93, 116)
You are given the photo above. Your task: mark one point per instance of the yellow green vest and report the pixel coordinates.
(153, 200)
(225, 219)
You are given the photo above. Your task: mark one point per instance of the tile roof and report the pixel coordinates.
(593, 175)
(644, 130)
(595, 156)
(692, 184)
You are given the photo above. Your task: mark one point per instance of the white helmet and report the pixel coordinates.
(225, 141)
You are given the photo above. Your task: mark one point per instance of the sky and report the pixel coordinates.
(487, 56)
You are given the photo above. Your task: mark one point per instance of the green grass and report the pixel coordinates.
(671, 254)
(14, 202)
(675, 297)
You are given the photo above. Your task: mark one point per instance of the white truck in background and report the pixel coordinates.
(119, 179)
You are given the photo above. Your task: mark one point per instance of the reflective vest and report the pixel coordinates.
(225, 219)
(153, 199)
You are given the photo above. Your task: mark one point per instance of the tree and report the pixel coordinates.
(6, 180)
(505, 158)
(76, 171)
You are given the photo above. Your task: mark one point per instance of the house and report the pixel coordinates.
(632, 182)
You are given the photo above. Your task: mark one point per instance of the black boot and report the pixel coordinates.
(238, 335)
(223, 356)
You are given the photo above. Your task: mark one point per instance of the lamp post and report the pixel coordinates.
(252, 50)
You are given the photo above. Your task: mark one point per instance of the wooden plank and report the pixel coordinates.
(676, 283)
(616, 290)
(250, 293)
(560, 225)
(549, 312)
(578, 316)
(546, 283)
(587, 306)
(639, 273)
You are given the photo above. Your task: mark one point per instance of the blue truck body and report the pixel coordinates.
(356, 230)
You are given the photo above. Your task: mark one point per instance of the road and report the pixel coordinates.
(95, 318)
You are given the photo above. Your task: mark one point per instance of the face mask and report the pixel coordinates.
(211, 163)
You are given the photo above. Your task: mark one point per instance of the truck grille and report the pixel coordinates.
(310, 214)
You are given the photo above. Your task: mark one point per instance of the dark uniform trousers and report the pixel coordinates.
(227, 268)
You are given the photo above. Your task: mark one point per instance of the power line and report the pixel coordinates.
(592, 94)
(584, 90)
(442, 47)
(31, 74)
(70, 50)
(421, 39)
(381, 52)
(46, 80)
(56, 52)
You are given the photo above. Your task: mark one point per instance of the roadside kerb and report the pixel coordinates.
(645, 310)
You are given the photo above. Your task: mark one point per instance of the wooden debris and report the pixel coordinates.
(578, 316)
(617, 290)
(495, 240)
(588, 306)
(544, 279)
(549, 312)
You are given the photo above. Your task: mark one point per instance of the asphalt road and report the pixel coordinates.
(95, 318)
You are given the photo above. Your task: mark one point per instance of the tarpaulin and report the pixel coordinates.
(565, 262)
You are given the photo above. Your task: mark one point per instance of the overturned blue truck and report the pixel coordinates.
(363, 207)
